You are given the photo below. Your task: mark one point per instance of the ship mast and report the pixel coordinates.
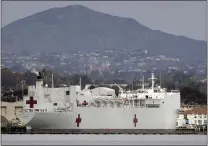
(52, 82)
(23, 82)
(132, 82)
(80, 82)
(160, 80)
(153, 81)
(143, 83)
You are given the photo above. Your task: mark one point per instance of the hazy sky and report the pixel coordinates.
(180, 18)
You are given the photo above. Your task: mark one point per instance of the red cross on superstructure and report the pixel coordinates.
(135, 120)
(78, 120)
(84, 103)
(31, 102)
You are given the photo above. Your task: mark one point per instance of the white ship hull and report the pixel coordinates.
(123, 118)
(103, 118)
(47, 120)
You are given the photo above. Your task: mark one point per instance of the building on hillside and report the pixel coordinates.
(187, 107)
(195, 117)
(11, 110)
(104, 91)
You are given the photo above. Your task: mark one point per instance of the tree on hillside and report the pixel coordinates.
(30, 78)
(189, 95)
(75, 80)
(10, 80)
(95, 74)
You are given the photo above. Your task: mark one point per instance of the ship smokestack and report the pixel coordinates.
(35, 72)
(39, 88)
(39, 79)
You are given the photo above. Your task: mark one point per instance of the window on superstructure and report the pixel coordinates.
(25, 93)
(55, 104)
(67, 92)
(152, 106)
(146, 96)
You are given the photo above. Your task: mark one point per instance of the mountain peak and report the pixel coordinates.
(76, 27)
(77, 7)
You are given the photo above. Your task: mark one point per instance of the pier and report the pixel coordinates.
(23, 130)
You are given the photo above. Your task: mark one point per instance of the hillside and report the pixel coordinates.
(192, 91)
(75, 28)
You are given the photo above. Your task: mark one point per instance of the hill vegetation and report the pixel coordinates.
(192, 90)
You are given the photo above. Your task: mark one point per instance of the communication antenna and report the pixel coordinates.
(80, 82)
(143, 83)
(176, 85)
(132, 82)
(23, 82)
(160, 80)
(153, 80)
(52, 82)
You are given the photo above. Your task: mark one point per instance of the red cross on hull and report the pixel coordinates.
(31, 102)
(135, 120)
(78, 120)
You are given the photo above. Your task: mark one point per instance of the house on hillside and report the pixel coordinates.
(187, 107)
